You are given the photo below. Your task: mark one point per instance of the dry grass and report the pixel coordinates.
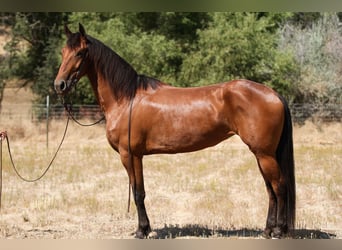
(217, 192)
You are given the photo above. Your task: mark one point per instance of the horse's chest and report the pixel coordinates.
(113, 135)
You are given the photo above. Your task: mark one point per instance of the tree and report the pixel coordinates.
(146, 48)
(180, 48)
(304, 19)
(155, 43)
(34, 49)
(6, 20)
(239, 45)
(317, 49)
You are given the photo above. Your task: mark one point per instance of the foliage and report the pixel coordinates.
(297, 54)
(318, 52)
(239, 45)
(32, 49)
(153, 43)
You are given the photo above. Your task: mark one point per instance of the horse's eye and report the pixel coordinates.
(79, 53)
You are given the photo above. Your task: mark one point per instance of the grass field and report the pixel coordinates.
(217, 192)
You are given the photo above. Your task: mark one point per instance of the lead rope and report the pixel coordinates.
(68, 108)
(3, 136)
(130, 160)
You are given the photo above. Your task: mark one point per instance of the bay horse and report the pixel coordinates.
(146, 116)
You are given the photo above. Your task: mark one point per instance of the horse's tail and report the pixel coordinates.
(285, 160)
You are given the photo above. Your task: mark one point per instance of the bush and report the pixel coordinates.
(318, 52)
(240, 45)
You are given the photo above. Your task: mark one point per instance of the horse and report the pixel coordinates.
(146, 116)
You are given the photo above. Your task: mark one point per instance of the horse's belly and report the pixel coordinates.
(186, 141)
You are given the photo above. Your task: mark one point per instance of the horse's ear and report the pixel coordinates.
(83, 34)
(82, 30)
(67, 31)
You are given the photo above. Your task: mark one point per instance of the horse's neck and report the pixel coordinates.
(105, 95)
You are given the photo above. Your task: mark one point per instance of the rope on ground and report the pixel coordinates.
(4, 136)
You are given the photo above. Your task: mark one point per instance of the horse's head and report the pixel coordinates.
(74, 60)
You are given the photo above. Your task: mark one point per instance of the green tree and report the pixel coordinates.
(149, 29)
(240, 45)
(304, 19)
(150, 52)
(34, 49)
(180, 48)
(6, 21)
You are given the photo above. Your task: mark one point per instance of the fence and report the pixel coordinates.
(316, 112)
(36, 113)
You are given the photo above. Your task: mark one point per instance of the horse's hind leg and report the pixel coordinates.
(276, 224)
(271, 220)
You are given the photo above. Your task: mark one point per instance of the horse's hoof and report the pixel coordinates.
(143, 233)
(267, 234)
(152, 235)
(277, 233)
(140, 235)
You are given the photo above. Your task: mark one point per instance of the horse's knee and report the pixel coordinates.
(139, 197)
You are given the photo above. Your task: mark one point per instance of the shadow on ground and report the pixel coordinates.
(176, 231)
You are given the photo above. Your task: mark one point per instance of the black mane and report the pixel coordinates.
(122, 77)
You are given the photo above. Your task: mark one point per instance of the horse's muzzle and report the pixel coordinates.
(61, 87)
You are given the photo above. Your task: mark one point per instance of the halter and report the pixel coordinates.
(68, 106)
(75, 80)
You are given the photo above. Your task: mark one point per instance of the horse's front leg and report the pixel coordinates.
(139, 196)
(134, 169)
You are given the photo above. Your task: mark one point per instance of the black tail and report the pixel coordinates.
(285, 160)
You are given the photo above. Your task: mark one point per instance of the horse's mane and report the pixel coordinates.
(121, 76)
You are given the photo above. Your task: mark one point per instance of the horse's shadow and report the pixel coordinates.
(200, 231)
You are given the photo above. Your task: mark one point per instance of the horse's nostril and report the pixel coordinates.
(62, 86)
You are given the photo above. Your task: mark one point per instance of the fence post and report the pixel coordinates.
(0, 168)
(47, 121)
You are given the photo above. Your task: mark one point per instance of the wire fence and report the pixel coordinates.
(40, 112)
(316, 112)
(37, 113)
